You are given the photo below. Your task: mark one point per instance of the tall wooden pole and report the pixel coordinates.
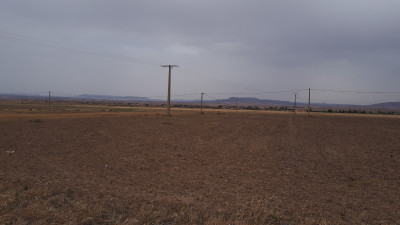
(201, 104)
(236, 106)
(169, 91)
(309, 98)
(169, 87)
(49, 100)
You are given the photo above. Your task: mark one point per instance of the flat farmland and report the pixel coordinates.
(220, 167)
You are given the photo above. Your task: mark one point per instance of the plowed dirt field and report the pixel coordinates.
(191, 168)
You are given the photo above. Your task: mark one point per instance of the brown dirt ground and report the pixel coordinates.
(213, 168)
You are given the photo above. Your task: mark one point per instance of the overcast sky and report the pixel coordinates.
(221, 46)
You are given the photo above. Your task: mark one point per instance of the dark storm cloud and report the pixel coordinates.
(221, 46)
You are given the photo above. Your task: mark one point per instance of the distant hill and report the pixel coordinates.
(267, 102)
(115, 98)
(22, 96)
(386, 105)
(228, 101)
(249, 101)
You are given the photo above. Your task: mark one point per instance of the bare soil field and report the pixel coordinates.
(215, 168)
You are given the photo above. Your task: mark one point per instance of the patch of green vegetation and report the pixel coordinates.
(36, 121)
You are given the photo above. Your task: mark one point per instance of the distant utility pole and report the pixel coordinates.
(169, 87)
(49, 100)
(309, 98)
(295, 101)
(236, 105)
(201, 104)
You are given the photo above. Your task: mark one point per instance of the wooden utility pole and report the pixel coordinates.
(169, 87)
(49, 100)
(295, 100)
(309, 98)
(236, 105)
(201, 104)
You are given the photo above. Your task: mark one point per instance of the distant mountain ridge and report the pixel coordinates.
(268, 102)
(228, 101)
(388, 105)
(116, 98)
(251, 101)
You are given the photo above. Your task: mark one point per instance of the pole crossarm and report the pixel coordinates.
(169, 66)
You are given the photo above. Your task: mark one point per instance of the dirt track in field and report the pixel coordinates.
(214, 168)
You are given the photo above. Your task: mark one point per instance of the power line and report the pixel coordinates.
(185, 94)
(210, 96)
(257, 93)
(25, 39)
(215, 78)
(174, 95)
(60, 46)
(65, 94)
(30, 40)
(358, 92)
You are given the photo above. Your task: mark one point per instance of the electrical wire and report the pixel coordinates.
(210, 96)
(358, 92)
(29, 40)
(25, 39)
(257, 93)
(59, 46)
(216, 79)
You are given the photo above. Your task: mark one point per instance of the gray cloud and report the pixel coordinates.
(221, 46)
